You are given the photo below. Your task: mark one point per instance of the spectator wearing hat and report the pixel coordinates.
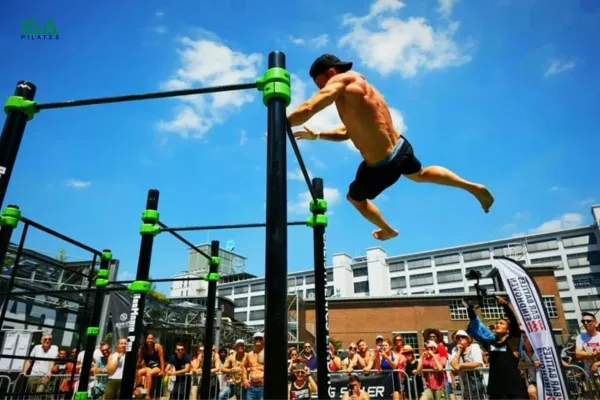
(378, 341)
(254, 369)
(434, 380)
(412, 384)
(466, 357)
(438, 338)
(233, 369)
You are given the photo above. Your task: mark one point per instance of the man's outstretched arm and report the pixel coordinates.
(333, 135)
(323, 98)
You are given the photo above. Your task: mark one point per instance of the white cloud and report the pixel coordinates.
(77, 184)
(125, 276)
(556, 188)
(243, 138)
(206, 61)
(296, 175)
(587, 202)
(521, 215)
(301, 204)
(160, 29)
(159, 14)
(558, 66)
(389, 44)
(565, 221)
(315, 42)
(510, 225)
(296, 40)
(445, 7)
(317, 163)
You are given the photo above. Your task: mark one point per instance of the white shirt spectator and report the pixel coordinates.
(589, 344)
(473, 354)
(41, 368)
(118, 374)
(97, 356)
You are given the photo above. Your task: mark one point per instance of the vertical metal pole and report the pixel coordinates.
(12, 133)
(211, 305)
(218, 326)
(136, 319)
(93, 330)
(276, 318)
(106, 296)
(321, 307)
(13, 275)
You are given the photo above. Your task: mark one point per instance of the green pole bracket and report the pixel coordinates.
(316, 220)
(102, 273)
(215, 261)
(10, 217)
(212, 277)
(149, 229)
(18, 103)
(80, 396)
(139, 287)
(93, 331)
(101, 282)
(150, 216)
(106, 255)
(320, 206)
(276, 82)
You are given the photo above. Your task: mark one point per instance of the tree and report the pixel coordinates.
(336, 343)
(156, 294)
(62, 255)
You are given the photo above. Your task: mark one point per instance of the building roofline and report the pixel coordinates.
(374, 299)
(190, 249)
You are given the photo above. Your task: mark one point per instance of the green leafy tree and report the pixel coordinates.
(336, 343)
(62, 255)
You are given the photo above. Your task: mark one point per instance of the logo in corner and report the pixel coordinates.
(31, 30)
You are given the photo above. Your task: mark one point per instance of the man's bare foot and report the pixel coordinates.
(484, 196)
(381, 234)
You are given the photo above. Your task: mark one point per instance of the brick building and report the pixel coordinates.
(356, 318)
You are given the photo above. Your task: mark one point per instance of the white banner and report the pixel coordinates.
(528, 306)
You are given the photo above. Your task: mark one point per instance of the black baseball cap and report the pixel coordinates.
(326, 61)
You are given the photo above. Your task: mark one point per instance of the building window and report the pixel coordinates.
(241, 302)
(574, 241)
(421, 280)
(258, 328)
(310, 293)
(294, 281)
(484, 269)
(410, 338)
(489, 287)
(567, 303)
(447, 259)
(225, 292)
(589, 303)
(241, 289)
(492, 310)
(396, 266)
(556, 261)
(453, 290)
(241, 316)
(561, 282)
(398, 282)
(329, 275)
(583, 259)
(458, 311)
(476, 255)
(543, 245)
(584, 281)
(257, 301)
(550, 306)
(573, 326)
(454, 275)
(510, 250)
(358, 272)
(309, 279)
(361, 287)
(420, 263)
(257, 287)
(257, 315)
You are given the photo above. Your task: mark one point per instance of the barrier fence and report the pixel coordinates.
(466, 385)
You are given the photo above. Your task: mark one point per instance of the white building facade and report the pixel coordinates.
(575, 252)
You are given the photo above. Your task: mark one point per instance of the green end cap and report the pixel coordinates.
(101, 282)
(102, 273)
(276, 82)
(80, 396)
(212, 277)
(18, 103)
(321, 206)
(150, 216)
(215, 261)
(106, 255)
(93, 331)
(149, 229)
(316, 220)
(139, 287)
(10, 217)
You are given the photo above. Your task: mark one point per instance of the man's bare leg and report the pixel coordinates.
(443, 176)
(373, 215)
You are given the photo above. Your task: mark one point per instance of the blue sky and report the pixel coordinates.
(504, 93)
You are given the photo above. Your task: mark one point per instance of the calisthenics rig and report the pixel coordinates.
(275, 85)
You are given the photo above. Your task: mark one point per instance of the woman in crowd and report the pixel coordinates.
(151, 363)
(293, 358)
(505, 380)
(529, 363)
(335, 363)
(388, 363)
(303, 386)
(466, 356)
(434, 380)
(412, 384)
(353, 361)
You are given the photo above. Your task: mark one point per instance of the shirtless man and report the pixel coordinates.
(367, 123)
(253, 369)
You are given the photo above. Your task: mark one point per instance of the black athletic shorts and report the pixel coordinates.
(370, 181)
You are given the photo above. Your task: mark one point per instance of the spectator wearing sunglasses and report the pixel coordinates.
(353, 361)
(310, 358)
(412, 384)
(303, 386)
(587, 344)
(177, 367)
(434, 380)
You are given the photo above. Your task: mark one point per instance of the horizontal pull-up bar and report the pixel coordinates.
(184, 240)
(56, 292)
(60, 236)
(161, 280)
(146, 96)
(218, 227)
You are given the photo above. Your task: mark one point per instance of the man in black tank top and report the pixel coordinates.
(303, 386)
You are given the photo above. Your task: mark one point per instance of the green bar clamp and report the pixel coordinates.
(320, 206)
(149, 229)
(20, 104)
(106, 255)
(93, 331)
(215, 261)
(275, 83)
(101, 282)
(150, 216)
(316, 220)
(212, 277)
(139, 287)
(80, 396)
(102, 273)
(10, 217)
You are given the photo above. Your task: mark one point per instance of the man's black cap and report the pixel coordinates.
(326, 61)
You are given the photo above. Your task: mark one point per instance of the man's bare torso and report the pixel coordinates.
(255, 365)
(367, 118)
